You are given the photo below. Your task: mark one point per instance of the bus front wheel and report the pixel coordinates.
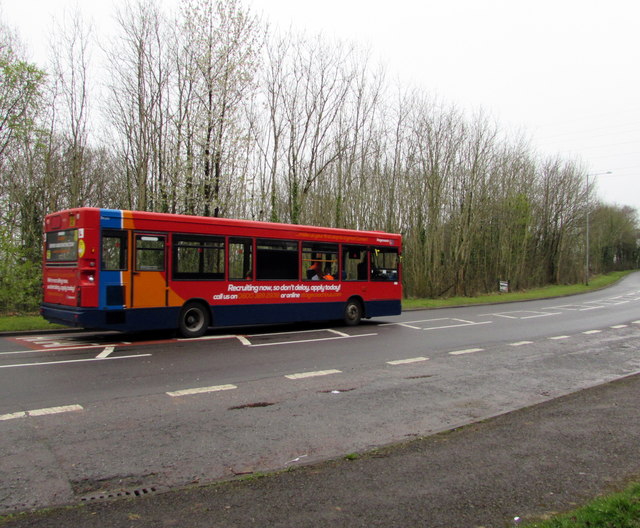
(352, 312)
(194, 320)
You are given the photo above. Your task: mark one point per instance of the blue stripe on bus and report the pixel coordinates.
(110, 282)
(111, 219)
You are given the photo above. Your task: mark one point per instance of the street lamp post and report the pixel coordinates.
(586, 265)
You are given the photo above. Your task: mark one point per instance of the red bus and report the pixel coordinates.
(131, 270)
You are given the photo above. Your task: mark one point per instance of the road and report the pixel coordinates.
(86, 415)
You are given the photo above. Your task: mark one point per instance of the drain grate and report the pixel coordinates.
(109, 495)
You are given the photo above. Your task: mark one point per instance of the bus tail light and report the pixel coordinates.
(88, 277)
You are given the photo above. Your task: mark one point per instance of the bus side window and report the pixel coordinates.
(149, 253)
(198, 257)
(240, 259)
(114, 250)
(319, 261)
(354, 263)
(277, 260)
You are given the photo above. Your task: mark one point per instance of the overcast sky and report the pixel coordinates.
(566, 73)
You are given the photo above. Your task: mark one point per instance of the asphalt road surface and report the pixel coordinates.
(86, 415)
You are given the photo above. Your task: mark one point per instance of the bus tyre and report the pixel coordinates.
(352, 312)
(194, 320)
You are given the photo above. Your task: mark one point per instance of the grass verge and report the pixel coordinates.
(620, 510)
(19, 323)
(597, 282)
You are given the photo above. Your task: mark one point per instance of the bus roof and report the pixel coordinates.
(253, 226)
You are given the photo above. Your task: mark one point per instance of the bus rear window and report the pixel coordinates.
(62, 246)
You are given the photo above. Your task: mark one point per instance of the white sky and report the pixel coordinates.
(566, 73)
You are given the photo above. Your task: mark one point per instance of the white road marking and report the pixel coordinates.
(13, 416)
(617, 327)
(20, 352)
(521, 343)
(298, 341)
(42, 412)
(557, 338)
(407, 361)
(89, 360)
(591, 332)
(244, 340)
(206, 338)
(462, 323)
(106, 352)
(516, 314)
(201, 390)
(409, 326)
(303, 375)
(465, 351)
(341, 334)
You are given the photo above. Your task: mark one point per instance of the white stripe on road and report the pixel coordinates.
(616, 327)
(299, 341)
(62, 362)
(42, 412)
(337, 332)
(557, 338)
(302, 375)
(521, 343)
(591, 332)
(201, 390)
(465, 351)
(407, 361)
(106, 352)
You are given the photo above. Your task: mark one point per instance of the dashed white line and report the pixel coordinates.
(303, 375)
(558, 338)
(521, 343)
(41, 412)
(201, 390)
(591, 332)
(465, 351)
(407, 361)
(617, 327)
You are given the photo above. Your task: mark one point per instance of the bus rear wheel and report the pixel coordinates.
(194, 320)
(352, 312)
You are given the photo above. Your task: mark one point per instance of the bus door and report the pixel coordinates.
(149, 277)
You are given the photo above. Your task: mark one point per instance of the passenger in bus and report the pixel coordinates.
(314, 271)
(327, 273)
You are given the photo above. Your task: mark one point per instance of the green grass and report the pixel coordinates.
(18, 323)
(597, 282)
(620, 510)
